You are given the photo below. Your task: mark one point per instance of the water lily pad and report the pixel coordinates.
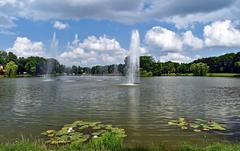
(216, 126)
(49, 132)
(98, 132)
(80, 132)
(193, 125)
(197, 130)
(83, 127)
(63, 131)
(184, 128)
(173, 122)
(197, 125)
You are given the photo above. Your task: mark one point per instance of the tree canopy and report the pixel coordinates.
(11, 69)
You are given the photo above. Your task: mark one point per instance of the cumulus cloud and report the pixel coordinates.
(94, 50)
(190, 40)
(24, 47)
(164, 39)
(59, 25)
(222, 33)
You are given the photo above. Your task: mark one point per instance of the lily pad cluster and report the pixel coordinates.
(81, 132)
(197, 125)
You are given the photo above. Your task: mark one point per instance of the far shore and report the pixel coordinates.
(165, 75)
(208, 75)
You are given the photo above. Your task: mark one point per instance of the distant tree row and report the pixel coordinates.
(228, 63)
(12, 65)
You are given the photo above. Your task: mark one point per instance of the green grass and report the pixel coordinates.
(106, 146)
(24, 76)
(208, 75)
(111, 143)
(223, 75)
(178, 74)
(213, 147)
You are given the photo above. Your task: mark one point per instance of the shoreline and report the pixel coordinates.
(163, 75)
(113, 144)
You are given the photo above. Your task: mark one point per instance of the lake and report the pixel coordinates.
(30, 106)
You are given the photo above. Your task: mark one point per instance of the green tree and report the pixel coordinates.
(183, 68)
(11, 69)
(170, 67)
(80, 70)
(237, 64)
(111, 69)
(3, 56)
(96, 69)
(144, 73)
(21, 65)
(87, 70)
(157, 68)
(199, 69)
(146, 63)
(74, 70)
(11, 57)
(122, 69)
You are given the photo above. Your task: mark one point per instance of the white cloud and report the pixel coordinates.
(222, 33)
(182, 12)
(169, 41)
(59, 25)
(24, 47)
(175, 57)
(101, 44)
(190, 40)
(164, 39)
(170, 45)
(93, 51)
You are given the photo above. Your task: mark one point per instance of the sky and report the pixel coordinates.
(97, 32)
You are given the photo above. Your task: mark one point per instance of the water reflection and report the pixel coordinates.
(133, 106)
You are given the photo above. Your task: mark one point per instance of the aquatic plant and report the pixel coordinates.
(197, 125)
(81, 132)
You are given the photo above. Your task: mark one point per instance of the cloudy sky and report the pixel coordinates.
(90, 32)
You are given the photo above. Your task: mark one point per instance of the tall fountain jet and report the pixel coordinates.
(133, 59)
(52, 52)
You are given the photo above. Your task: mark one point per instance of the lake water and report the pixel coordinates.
(30, 106)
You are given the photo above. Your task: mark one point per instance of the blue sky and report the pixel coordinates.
(90, 32)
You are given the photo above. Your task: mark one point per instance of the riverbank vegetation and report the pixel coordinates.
(226, 65)
(111, 143)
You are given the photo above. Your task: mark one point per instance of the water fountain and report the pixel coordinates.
(52, 53)
(133, 60)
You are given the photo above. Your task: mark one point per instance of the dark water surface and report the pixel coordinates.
(30, 106)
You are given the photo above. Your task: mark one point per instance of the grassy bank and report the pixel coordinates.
(208, 75)
(111, 143)
(33, 146)
(223, 75)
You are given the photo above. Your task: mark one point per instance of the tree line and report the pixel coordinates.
(11, 65)
(228, 63)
